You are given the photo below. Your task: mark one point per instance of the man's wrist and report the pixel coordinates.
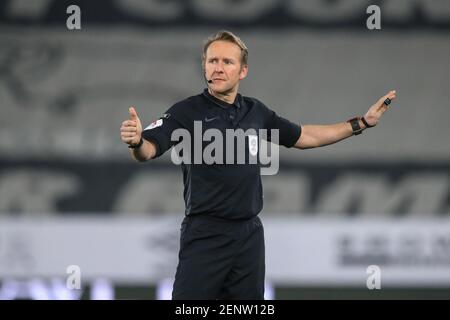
(366, 125)
(362, 124)
(138, 145)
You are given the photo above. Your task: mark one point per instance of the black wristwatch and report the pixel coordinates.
(135, 146)
(354, 122)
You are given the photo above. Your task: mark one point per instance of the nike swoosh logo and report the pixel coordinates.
(211, 119)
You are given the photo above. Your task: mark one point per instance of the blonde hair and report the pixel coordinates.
(225, 35)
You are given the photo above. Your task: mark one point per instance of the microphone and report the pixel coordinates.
(206, 79)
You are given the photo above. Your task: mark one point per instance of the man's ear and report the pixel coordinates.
(243, 73)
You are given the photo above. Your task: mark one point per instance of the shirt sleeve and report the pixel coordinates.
(160, 131)
(288, 132)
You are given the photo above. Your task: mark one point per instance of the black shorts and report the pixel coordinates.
(220, 259)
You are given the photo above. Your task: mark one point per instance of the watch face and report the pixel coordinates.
(355, 126)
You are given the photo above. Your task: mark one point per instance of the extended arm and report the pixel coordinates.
(314, 136)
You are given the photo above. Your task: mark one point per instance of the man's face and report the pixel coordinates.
(223, 66)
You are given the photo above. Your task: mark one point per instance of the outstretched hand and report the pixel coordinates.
(375, 112)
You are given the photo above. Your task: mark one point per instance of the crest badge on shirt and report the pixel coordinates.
(155, 124)
(253, 144)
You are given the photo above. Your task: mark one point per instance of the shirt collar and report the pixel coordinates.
(222, 103)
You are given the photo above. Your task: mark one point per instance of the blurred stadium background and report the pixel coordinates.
(70, 195)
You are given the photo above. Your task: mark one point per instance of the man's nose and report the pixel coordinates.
(219, 67)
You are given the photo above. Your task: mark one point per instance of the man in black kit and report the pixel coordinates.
(222, 254)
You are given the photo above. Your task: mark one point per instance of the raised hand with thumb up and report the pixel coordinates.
(131, 129)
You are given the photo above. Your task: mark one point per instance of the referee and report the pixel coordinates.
(222, 254)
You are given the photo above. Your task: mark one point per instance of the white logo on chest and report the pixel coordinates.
(155, 124)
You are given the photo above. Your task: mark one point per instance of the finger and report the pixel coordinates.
(382, 107)
(129, 123)
(133, 113)
(391, 95)
(128, 134)
(127, 140)
(128, 129)
(385, 101)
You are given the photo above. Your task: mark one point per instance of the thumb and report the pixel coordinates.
(133, 114)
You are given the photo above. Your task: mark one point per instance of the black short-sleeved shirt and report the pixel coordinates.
(230, 191)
